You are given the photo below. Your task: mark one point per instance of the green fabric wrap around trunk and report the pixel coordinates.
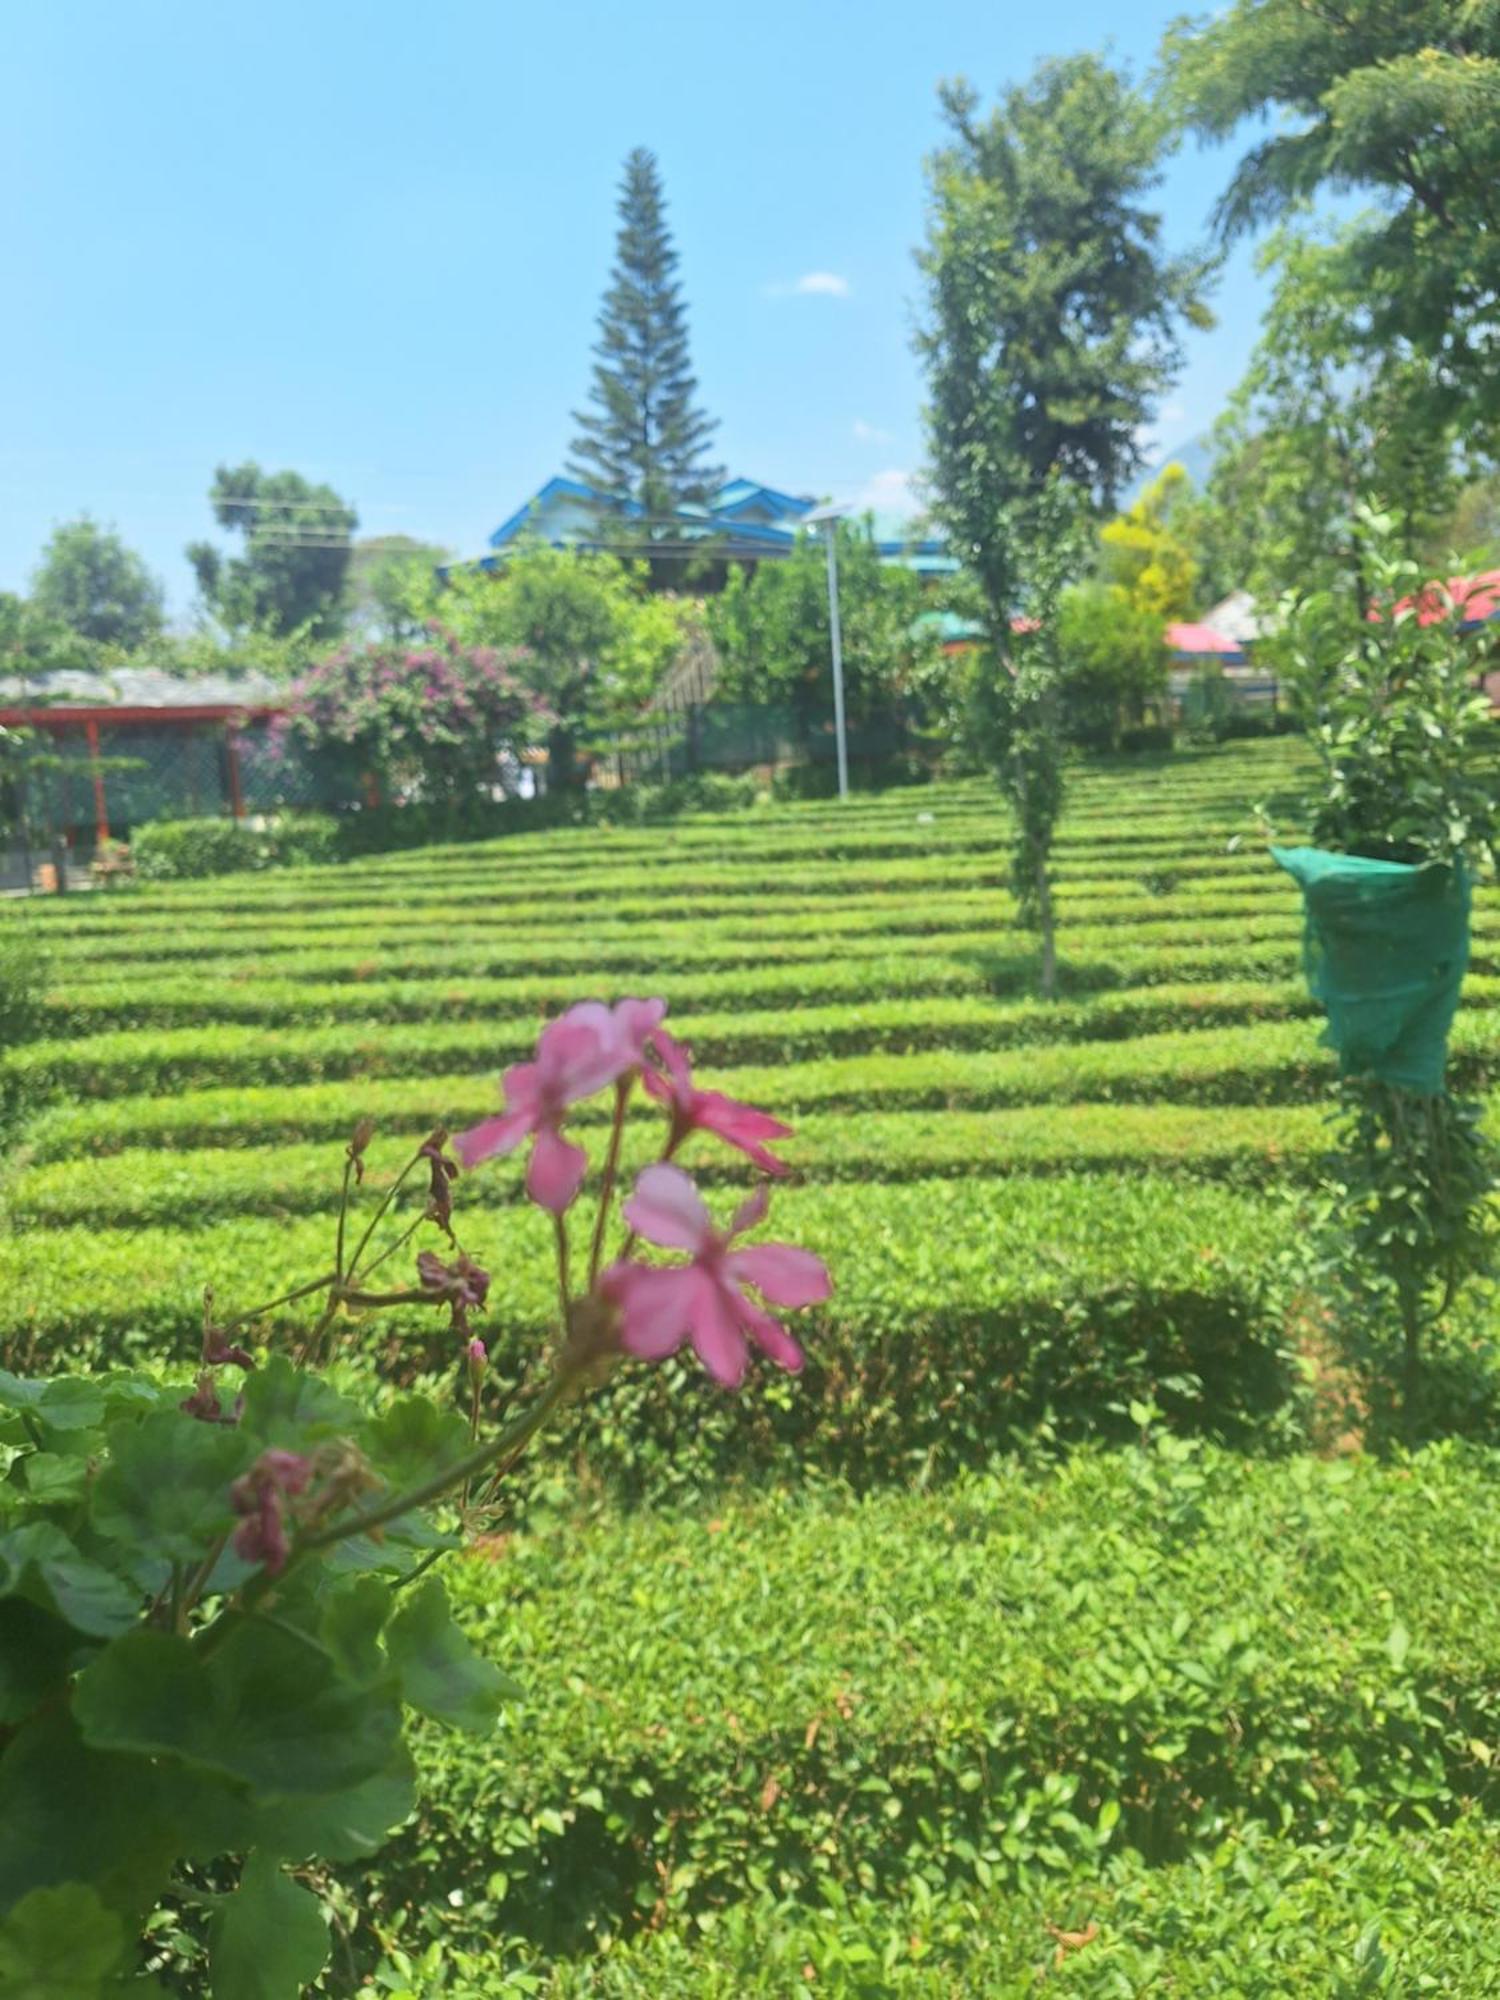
(1385, 950)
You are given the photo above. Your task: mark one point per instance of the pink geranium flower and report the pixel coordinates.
(705, 1300)
(583, 1050)
(695, 1110)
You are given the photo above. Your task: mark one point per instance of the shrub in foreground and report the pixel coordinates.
(218, 1599)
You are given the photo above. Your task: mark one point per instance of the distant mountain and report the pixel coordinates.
(1195, 456)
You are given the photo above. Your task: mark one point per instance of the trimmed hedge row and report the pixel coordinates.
(910, 1053)
(148, 1186)
(1258, 1917)
(806, 988)
(993, 1687)
(965, 1310)
(360, 949)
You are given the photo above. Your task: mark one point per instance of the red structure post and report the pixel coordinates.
(101, 804)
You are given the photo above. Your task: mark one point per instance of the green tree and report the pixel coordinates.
(1113, 654)
(1401, 97)
(590, 643)
(91, 582)
(1052, 330)
(1324, 423)
(771, 634)
(1053, 311)
(1146, 554)
(297, 545)
(642, 444)
(391, 577)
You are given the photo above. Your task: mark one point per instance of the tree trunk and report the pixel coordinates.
(1046, 924)
(562, 767)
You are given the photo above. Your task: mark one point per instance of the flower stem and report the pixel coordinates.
(338, 1253)
(386, 1199)
(286, 1299)
(564, 1298)
(611, 1169)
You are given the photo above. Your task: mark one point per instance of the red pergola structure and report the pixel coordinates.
(77, 704)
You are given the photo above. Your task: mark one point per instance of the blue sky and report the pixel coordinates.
(368, 242)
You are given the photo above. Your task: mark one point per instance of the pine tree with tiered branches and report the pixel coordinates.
(642, 443)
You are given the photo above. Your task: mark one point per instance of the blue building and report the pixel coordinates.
(742, 522)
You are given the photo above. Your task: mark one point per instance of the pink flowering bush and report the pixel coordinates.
(430, 720)
(220, 1598)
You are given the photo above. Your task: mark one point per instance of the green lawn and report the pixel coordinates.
(1028, 1643)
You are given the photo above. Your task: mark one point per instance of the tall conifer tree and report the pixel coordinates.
(644, 439)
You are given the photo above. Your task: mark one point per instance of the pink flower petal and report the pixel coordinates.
(716, 1331)
(769, 1335)
(579, 1053)
(740, 1126)
(751, 1210)
(635, 1020)
(677, 1084)
(656, 1307)
(520, 1086)
(491, 1136)
(784, 1275)
(556, 1170)
(726, 1115)
(667, 1209)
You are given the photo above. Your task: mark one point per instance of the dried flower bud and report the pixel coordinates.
(260, 1496)
(442, 1173)
(218, 1349)
(364, 1132)
(462, 1285)
(204, 1402)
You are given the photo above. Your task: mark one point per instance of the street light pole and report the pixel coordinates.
(830, 518)
(836, 638)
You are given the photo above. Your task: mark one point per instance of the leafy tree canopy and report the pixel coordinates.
(1113, 653)
(1053, 309)
(591, 642)
(1145, 553)
(1323, 427)
(297, 542)
(388, 576)
(1401, 97)
(771, 633)
(91, 582)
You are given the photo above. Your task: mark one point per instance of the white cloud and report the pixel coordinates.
(822, 284)
(870, 433)
(811, 285)
(893, 491)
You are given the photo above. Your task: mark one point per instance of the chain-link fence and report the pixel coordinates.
(742, 736)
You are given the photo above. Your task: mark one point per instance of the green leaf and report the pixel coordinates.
(414, 1439)
(269, 1708)
(36, 1656)
(40, 1563)
(441, 1674)
(65, 1402)
(59, 1944)
(72, 1814)
(293, 1410)
(353, 1615)
(165, 1493)
(267, 1941)
(1398, 1644)
(216, 1818)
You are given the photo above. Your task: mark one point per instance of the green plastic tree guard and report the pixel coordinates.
(1385, 949)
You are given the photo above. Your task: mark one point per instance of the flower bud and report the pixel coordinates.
(478, 1358)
